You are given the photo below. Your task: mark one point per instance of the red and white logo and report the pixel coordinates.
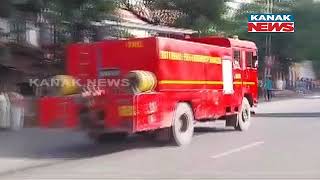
(270, 23)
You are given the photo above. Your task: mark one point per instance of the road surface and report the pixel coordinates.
(282, 143)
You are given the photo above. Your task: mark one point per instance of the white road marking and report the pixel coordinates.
(242, 148)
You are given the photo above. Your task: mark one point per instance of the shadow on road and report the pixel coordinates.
(202, 130)
(288, 115)
(39, 144)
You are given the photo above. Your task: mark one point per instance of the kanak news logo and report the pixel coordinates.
(271, 23)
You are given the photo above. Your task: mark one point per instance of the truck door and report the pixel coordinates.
(237, 76)
(246, 70)
(250, 72)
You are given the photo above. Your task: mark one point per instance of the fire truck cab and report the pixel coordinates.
(158, 86)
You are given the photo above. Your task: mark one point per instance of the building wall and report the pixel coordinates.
(28, 32)
(301, 70)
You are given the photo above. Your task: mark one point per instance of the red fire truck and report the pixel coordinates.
(156, 86)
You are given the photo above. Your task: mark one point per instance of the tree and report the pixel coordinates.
(280, 46)
(76, 16)
(196, 14)
(5, 8)
(306, 40)
(301, 45)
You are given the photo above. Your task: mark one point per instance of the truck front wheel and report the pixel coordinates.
(182, 125)
(244, 116)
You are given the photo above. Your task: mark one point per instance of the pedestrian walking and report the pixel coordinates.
(307, 84)
(304, 85)
(268, 89)
(297, 84)
(310, 85)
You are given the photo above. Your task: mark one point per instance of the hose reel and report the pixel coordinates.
(141, 81)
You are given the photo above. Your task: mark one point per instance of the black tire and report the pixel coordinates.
(163, 136)
(182, 125)
(244, 116)
(242, 120)
(232, 120)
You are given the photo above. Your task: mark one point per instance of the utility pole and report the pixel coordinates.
(268, 41)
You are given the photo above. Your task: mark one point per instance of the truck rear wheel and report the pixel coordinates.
(242, 120)
(244, 116)
(182, 125)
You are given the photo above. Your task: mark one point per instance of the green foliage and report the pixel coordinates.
(306, 39)
(75, 16)
(28, 5)
(5, 8)
(238, 25)
(303, 44)
(300, 45)
(79, 11)
(199, 13)
(196, 14)
(206, 16)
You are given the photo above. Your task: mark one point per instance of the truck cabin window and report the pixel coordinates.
(255, 61)
(236, 59)
(249, 60)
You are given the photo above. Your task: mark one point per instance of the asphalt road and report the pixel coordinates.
(282, 143)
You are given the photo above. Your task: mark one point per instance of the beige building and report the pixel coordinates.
(300, 70)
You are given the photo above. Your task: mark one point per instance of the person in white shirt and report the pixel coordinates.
(16, 110)
(4, 109)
